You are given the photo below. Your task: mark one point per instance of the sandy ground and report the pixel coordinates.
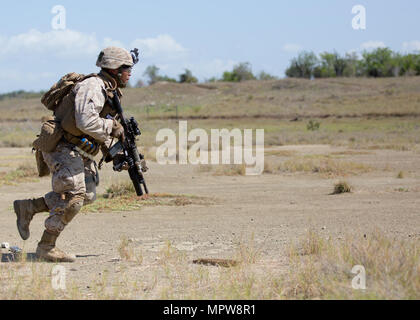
(275, 210)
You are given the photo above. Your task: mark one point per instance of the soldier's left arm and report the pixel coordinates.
(89, 101)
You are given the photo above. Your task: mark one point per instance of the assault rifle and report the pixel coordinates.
(125, 153)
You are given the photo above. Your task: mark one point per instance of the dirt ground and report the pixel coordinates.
(272, 209)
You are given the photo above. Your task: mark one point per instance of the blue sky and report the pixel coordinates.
(207, 37)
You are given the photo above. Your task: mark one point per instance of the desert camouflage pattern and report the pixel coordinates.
(90, 97)
(113, 58)
(73, 184)
(74, 176)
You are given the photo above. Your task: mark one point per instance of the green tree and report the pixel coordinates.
(352, 68)
(303, 66)
(240, 72)
(266, 76)
(340, 64)
(409, 64)
(166, 78)
(326, 69)
(187, 77)
(379, 63)
(332, 65)
(152, 73)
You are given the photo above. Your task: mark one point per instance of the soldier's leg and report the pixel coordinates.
(25, 211)
(64, 202)
(90, 182)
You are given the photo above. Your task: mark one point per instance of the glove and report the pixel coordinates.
(143, 165)
(120, 159)
(117, 130)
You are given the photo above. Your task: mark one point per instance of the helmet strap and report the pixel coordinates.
(119, 82)
(114, 81)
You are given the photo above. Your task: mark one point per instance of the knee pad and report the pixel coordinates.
(73, 207)
(89, 198)
(60, 217)
(54, 223)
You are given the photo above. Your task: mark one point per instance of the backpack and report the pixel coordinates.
(52, 98)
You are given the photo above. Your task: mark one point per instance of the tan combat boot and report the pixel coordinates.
(25, 211)
(47, 251)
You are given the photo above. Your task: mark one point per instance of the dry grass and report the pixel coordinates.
(24, 173)
(122, 197)
(224, 170)
(352, 113)
(350, 153)
(280, 153)
(319, 268)
(128, 252)
(342, 187)
(324, 166)
(271, 166)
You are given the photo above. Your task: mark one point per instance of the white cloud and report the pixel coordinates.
(108, 42)
(292, 48)
(42, 57)
(62, 43)
(412, 45)
(163, 46)
(69, 43)
(215, 67)
(372, 45)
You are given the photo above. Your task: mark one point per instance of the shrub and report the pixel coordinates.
(187, 77)
(313, 125)
(342, 187)
(303, 66)
(266, 76)
(240, 72)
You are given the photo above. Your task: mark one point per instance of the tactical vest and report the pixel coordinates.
(65, 111)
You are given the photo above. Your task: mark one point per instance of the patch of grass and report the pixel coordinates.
(391, 269)
(324, 165)
(128, 252)
(248, 251)
(119, 189)
(122, 197)
(229, 170)
(313, 125)
(342, 187)
(24, 173)
(401, 175)
(317, 268)
(396, 147)
(271, 166)
(350, 153)
(280, 153)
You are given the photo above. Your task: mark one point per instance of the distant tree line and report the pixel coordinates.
(152, 73)
(21, 94)
(381, 62)
(240, 72)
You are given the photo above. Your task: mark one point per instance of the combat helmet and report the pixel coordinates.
(115, 57)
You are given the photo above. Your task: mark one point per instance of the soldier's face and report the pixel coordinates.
(125, 75)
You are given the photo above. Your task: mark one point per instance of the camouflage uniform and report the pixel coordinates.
(74, 177)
